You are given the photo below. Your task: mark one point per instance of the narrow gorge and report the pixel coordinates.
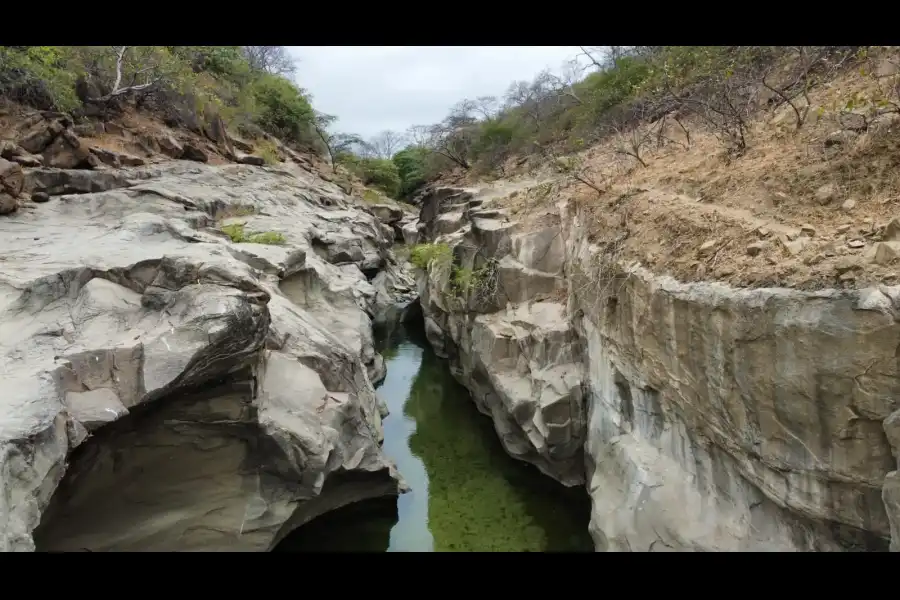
(515, 333)
(700, 417)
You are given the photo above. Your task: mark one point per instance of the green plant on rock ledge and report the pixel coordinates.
(422, 255)
(268, 152)
(238, 235)
(481, 281)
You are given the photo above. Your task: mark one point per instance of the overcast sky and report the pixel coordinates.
(373, 88)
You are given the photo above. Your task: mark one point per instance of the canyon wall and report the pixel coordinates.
(700, 417)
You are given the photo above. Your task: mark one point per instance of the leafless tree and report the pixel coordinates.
(797, 82)
(453, 137)
(631, 140)
(576, 168)
(272, 59)
(418, 135)
(484, 107)
(531, 97)
(724, 101)
(593, 54)
(386, 144)
(564, 84)
(604, 57)
(335, 143)
(662, 128)
(136, 69)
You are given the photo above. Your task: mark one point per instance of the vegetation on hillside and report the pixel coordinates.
(250, 87)
(634, 95)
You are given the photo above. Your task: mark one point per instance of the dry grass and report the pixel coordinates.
(686, 197)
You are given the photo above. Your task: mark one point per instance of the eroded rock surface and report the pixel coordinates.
(710, 418)
(226, 384)
(508, 341)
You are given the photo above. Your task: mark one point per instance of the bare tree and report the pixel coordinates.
(725, 102)
(452, 138)
(630, 141)
(484, 107)
(797, 83)
(605, 57)
(418, 135)
(386, 144)
(593, 54)
(565, 82)
(135, 69)
(272, 59)
(531, 97)
(335, 143)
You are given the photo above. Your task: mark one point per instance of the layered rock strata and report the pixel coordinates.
(700, 417)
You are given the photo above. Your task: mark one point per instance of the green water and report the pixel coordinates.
(467, 494)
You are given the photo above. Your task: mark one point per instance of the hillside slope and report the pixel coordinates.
(697, 328)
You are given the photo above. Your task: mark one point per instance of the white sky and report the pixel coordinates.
(373, 88)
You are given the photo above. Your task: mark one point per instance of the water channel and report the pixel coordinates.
(467, 494)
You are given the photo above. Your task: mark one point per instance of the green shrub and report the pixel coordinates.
(38, 76)
(284, 110)
(412, 164)
(239, 235)
(267, 151)
(271, 238)
(375, 172)
(422, 255)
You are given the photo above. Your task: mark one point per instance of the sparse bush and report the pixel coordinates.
(238, 235)
(272, 238)
(423, 255)
(379, 173)
(631, 93)
(267, 151)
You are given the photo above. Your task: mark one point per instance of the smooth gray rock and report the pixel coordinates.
(218, 393)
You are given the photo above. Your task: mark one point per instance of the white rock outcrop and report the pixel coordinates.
(168, 388)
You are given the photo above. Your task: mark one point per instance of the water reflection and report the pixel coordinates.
(467, 493)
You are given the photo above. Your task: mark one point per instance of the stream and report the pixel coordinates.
(467, 494)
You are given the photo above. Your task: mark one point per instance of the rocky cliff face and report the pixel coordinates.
(167, 386)
(700, 417)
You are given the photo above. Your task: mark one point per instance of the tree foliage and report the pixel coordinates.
(248, 86)
(623, 91)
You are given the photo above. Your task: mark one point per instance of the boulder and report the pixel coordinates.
(55, 182)
(215, 130)
(12, 178)
(117, 159)
(192, 152)
(67, 152)
(169, 146)
(11, 182)
(387, 213)
(42, 136)
(229, 384)
(8, 203)
(249, 159)
(410, 232)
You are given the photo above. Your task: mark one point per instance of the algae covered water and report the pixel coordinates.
(467, 494)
